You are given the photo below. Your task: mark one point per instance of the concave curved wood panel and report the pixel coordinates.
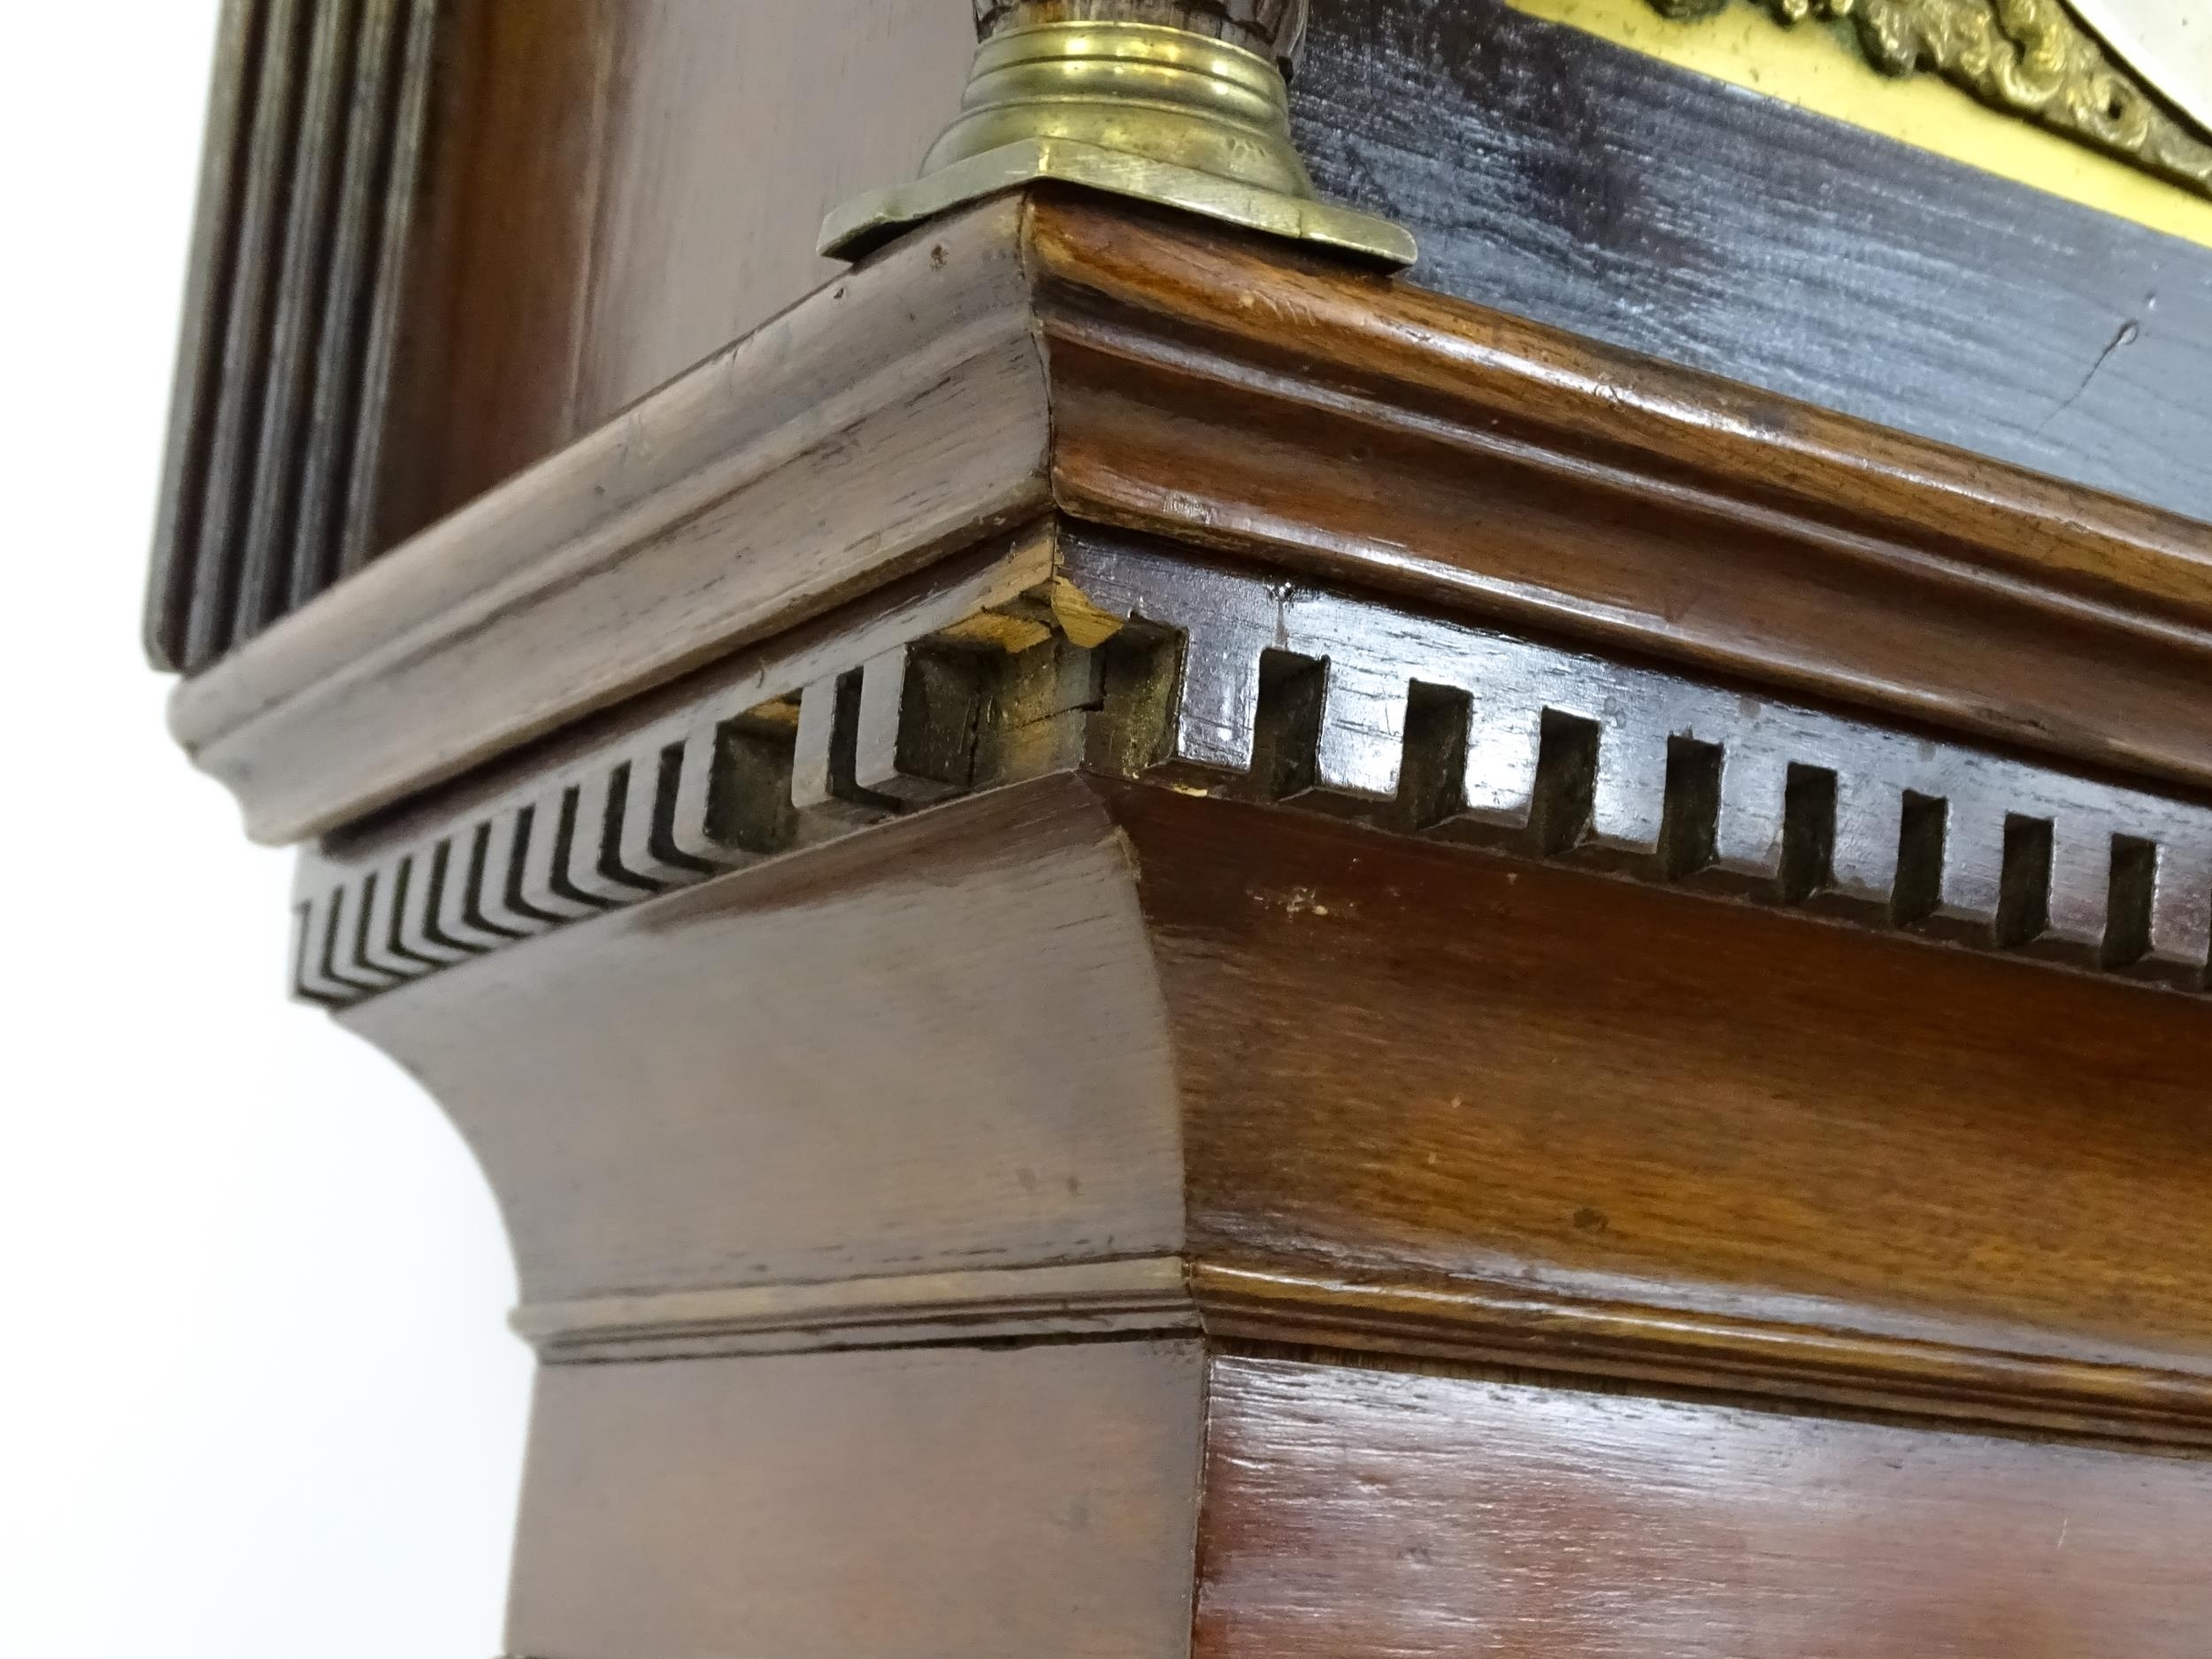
(1462, 1104)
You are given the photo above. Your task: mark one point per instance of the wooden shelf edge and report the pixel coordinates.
(1351, 430)
(1220, 393)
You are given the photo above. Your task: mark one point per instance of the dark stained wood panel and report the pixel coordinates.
(751, 1083)
(1067, 349)
(492, 335)
(1461, 1100)
(942, 1504)
(437, 244)
(1235, 394)
(293, 295)
(1576, 182)
(1370, 1512)
(730, 130)
(621, 190)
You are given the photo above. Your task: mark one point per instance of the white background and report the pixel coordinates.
(256, 1395)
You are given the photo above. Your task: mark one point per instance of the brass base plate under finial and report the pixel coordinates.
(1140, 110)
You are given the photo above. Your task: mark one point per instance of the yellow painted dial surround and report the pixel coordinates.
(1811, 67)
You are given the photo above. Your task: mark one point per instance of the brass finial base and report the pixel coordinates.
(1139, 109)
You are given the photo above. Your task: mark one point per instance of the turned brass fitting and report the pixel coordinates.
(1142, 110)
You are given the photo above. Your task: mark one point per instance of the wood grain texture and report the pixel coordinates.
(950, 1504)
(620, 191)
(1591, 188)
(942, 1048)
(1381, 1094)
(732, 129)
(1216, 390)
(595, 213)
(880, 425)
(1430, 728)
(1456, 1104)
(1353, 1511)
(1210, 388)
(309, 178)
(970, 675)
(491, 338)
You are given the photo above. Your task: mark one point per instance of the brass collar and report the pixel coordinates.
(1138, 109)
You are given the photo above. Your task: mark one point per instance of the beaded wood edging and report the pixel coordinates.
(1140, 664)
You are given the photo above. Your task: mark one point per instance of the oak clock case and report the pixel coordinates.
(1392, 860)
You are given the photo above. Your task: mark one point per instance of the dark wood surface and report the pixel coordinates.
(517, 218)
(1008, 664)
(1565, 178)
(1381, 1094)
(438, 242)
(294, 294)
(1222, 391)
(874, 430)
(492, 336)
(936, 1048)
(953, 1504)
(1362, 1511)
(1460, 1102)
(1390, 1098)
(621, 190)
(1858, 274)
(1162, 1164)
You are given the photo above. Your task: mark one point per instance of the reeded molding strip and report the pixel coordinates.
(980, 1304)
(308, 183)
(1140, 662)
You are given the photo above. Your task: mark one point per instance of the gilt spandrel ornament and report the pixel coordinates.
(2033, 59)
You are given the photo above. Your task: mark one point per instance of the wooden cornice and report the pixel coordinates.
(1284, 1078)
(1061, 353)
(1364, 431)
(639, 784)
(889, 420)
